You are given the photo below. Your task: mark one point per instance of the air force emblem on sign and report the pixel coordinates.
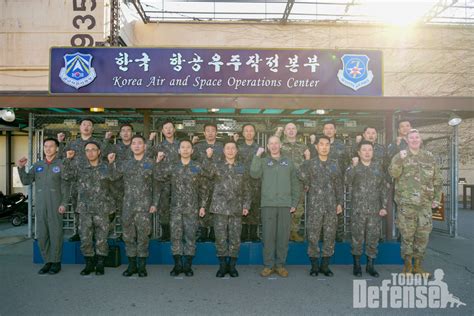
(355, 73)
(77, 71)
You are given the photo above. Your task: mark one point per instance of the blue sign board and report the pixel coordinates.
(215, 71)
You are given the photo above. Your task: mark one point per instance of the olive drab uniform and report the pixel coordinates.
(418, 182)
(245, 156)
(140, 193)
(189, 193)
(325, 191)
(51, 191)
(200, 155)
(94, 204)
(295, 151)
(368, 196)
(230, 195)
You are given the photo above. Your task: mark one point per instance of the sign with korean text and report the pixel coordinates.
(215, 71)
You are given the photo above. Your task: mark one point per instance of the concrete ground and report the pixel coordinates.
(24, 292)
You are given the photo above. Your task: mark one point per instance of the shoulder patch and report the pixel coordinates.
(39, 169)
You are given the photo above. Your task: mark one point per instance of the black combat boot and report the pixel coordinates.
(314, 266)
(141, 267)
(202, 232)
(356, 269)
(45, 269)
(165, 232)
(132, 267)
(75, 237)
(253, 235)
(222, 268)
(99, 268)
(325, 267)
(55, 268)
(212, 235)
(178, 266)
(244, 237)
(188, 262)
(90, 266)
(370, 268)
(231, 267)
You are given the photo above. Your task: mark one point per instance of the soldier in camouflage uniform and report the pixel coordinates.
(323, 180)
(206, 231)
(86, 128)
(122, 153)
(94, 204)
(367, 182)
(230, 200)
(188, 198)
(404, 126)
(50, 192)
(296, 152)
(380, 153)
(247, 149)
(170, 148)
(418, 185)
(139, 203)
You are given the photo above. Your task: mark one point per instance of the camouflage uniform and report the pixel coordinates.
(231, 194)
(418, 183)
(200, 155)
(50, 192)
(295, 151)
(139, 195)
(188, 193)
(94, 204)
(245, 155)
(325, 192)
(369, 196)
(380, 155)
(394, 149)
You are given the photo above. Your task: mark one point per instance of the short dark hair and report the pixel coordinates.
(86, 119)
(138, 136)
(230, 141)
(249, 124)
(329, 122)
(364, 142)
(367, 127)
(167, 122)
(210, 124)
(92, 142)
(318, 138)
(51, 139)
(125, 125)
(186, 141)
(403, 120)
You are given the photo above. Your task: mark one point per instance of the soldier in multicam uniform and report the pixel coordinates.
(296, 152)
(206, 231)
(50, 192)
(246, 151)
(230, 200)
(139, 202)
(94, 204)
(86, 128)
(367, 181)
(188, 193)
(404, 126)
(323, 180)
(170, 147)
(418, 185)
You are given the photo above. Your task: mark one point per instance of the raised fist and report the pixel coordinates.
(236, 137)
(399, 140)
(195, 139)
(70, 154)
(403, 154)
(307, 154)
(355, 161)
(61, 137)
(62, 209)
(161, 155)
(152, 136)
(22, 162)
(358, 138)
(209, 152)
(111, 157)
(108, 135)
(312, 138)
(260, 151)
(279, 131)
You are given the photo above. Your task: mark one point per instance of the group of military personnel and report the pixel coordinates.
(213, 190)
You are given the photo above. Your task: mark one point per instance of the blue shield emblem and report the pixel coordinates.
(355, 73)
(77, 71)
